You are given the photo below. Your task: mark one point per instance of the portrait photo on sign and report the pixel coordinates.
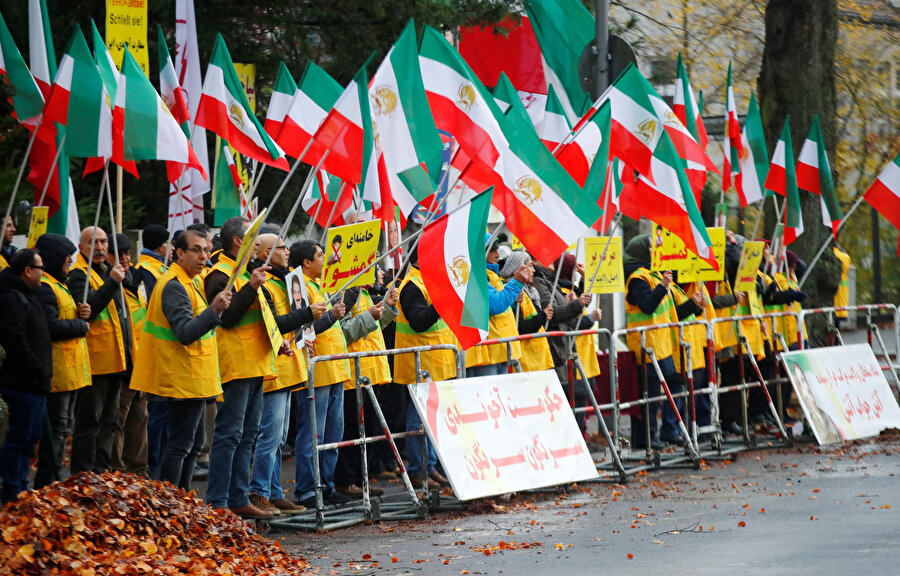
(296, 289)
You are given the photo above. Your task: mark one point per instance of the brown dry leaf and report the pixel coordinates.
(741, 524)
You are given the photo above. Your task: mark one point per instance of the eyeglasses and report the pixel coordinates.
(282, 247)
(198, 250)
(36, 267)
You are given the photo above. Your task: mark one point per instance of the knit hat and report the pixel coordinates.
(123, 242)
(511, 264)
(154, 236)
(53, 249)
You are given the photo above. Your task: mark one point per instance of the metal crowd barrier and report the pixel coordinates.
(368, 510)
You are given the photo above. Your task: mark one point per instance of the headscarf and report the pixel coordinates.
(509, 266)
(637, 251)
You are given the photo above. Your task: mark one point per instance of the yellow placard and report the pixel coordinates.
(126, 23)
(247, 75)
(272, 330)
(751, 256)
(699, 270)
(517, 244)
(246, 252)
(610, 277)
(349, 250)
(667, 251)
(38, 225)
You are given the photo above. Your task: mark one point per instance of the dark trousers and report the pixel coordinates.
(27, 416)
(349, 463)
(653, 387)
(758, 403)
(157, 415)
(393, 399)
(130, 439)
(52, 451)
(96, 416)
(185, 438)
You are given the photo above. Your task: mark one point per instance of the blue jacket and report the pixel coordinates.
(502, 300)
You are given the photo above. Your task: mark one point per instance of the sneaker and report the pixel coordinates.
(263, 504)
(251, 512)
(287, 507)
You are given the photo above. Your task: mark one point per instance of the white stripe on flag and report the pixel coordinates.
(305, 113)
(456, 244)
(809, 154)
(215, 88)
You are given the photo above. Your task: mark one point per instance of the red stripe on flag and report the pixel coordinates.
(211, 114)
(471, 137)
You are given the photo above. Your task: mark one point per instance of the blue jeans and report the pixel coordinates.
(273, 428)
(27, 412)
(414, 445)
(670, 423)
(329, 428)
(486, 370)
(237, 425)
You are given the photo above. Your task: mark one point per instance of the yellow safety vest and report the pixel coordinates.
(3, 263)
(842, 296)
(752, 329)
(327, 343)
(502, 325)
(695, 335)
(586, 348)
(244, 350)
(290, 371)
(661, 340)
(376, 369)
(104, 339)
(71, 361)
(154, 267)
(725, 333)
(165, 367)
(535, 353)
(787, 325)
(440, 364)
(137, 307)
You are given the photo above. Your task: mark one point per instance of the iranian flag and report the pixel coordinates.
(144, 128)
(169, 86)
(110, 75)
(884, 194)
(451, 260)
(506, 97)
(79, 101)
(280, 102)
(554, 126)
(750, 180)
(685, 106)
(320, 202)
(782, 179)
(228, 185)
(26, 97)
(814, 175)
(341, 132)
(406, 134)
(577, 155)
(669, 202)
(732, 146)
(224, 110)
(316, 94)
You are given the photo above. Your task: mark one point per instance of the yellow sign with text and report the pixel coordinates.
(349, 250)
(699, 270)
(38, 227)
(247, 75)
(275, 337)
(248, 248)
(751, 256)
(610, 277)
(667, 251)
(126, 23)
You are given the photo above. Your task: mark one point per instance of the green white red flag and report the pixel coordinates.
(224, 110)
(750, 180)
(685, 106)
(280, 102)
(814, 175)
(577, 155)
(453, 268)
(782, 179)
(26, 97)
(732, 146)
(554, 126)
(884, 194)
(170, 88)
(144, 128)
(341, 132)
(506, 97)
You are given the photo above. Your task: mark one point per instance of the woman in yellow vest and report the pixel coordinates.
(68, 327)
(842, 296)
(648, 302)
(329, 379)
(693, 302)
(535, 353)
(419, 324)
(178, 356)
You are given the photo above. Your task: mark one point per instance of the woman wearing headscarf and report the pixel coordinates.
(530, 318)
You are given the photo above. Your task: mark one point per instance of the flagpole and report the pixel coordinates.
(330, 214)
(828, 240)
(561, 258)
(52, 170)
(257, 176)
(760, 213)
(215, 173)
(287, 223)
(115, 243)
(315, 216)
(119, 184)
(90, 261)
(286, 179)
(12, 197)
(180, 208)
(613, 226)
(493, 237)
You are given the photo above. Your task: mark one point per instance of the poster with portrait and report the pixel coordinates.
(843, 392)
(299, 298)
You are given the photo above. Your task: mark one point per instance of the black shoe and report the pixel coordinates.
(308, 503)
(674, 440)
(733, 428)
(338, 498)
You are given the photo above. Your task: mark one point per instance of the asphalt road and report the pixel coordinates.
(801, 510)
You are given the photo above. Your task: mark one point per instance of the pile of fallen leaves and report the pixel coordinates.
(122, 524)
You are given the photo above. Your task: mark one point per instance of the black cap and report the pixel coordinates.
(154, 236)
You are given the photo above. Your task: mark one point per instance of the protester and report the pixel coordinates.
(25, 376)
(692, 303)
(6, 248)
(291, 373)
(109, 345)
(67, 323)
(178, 356)
(536, 354)
(245, 359)
(842, 296)
(151, 262)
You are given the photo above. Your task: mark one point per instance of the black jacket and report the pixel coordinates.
(25, 337)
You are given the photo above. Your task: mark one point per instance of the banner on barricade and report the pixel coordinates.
(667, 251)
(751, 256)
(348, 251)
(698, 270)
(843, 392)
(501, 434)
(610, 278)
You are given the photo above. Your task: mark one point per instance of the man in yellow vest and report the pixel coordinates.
(68, 326)
(329, 379)
(130, 439)
(109, 345)
(362, 326)
(842, 296)
(291, 373)
(6, 248)
(245, 359)
(177, 359)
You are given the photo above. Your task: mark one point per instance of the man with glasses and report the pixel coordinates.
(109, 348)
(26, 373)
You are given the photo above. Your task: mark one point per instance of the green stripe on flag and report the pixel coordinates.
(475, 309)
(757, 139)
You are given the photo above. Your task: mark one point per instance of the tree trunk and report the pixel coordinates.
(797, 78)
